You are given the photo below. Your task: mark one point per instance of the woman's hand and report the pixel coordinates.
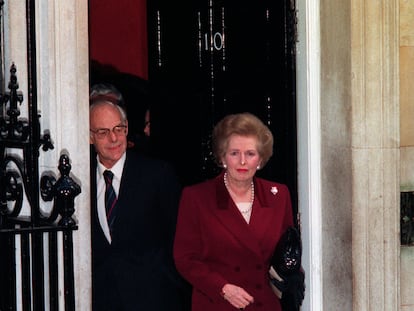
(236, 296)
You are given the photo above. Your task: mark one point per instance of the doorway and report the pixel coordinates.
(207, 59)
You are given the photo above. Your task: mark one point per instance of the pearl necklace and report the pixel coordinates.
(248, 210)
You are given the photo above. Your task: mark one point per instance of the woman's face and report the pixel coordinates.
(242, 157)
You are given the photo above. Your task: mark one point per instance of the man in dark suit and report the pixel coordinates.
(132, 263)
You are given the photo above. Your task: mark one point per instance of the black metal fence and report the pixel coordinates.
(407, 218)
(36, 257)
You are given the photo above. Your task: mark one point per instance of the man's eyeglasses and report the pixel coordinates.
(118, 130)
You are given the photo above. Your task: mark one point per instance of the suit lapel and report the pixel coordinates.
(263, 221)
(130, 170)
(228, 214)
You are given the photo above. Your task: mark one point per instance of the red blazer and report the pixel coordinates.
(214, 245)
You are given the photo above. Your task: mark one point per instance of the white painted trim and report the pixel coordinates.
(309, 149)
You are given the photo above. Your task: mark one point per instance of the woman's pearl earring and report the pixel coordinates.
(224, 165)
(258, 167)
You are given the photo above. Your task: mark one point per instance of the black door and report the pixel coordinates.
(210, 58)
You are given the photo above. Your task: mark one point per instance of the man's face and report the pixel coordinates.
(108, 133)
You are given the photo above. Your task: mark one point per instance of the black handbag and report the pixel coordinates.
(286, 274)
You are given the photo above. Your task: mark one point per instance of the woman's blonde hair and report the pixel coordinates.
(243, 124)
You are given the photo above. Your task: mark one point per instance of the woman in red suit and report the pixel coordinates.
(228, 227)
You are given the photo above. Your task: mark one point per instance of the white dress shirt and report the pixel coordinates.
(100, 190)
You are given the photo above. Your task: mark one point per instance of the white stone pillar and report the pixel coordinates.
(62, 58)
(375, 155)
(63, 64)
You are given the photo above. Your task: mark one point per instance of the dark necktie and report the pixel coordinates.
(110, 198)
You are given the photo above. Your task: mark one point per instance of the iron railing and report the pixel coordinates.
(36, 245)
